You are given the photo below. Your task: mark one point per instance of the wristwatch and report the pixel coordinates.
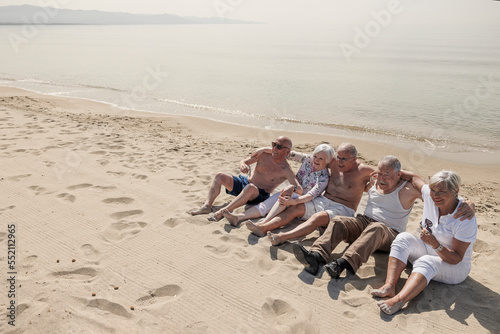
(439, 248)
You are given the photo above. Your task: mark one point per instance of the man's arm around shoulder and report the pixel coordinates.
(253, 158)
(413, 178)
(367, 172)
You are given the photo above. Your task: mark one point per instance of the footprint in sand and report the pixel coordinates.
(90, 254)
(200, 220)
(66, 197)
(7, 208)
(107, 306)
(118, 200)
(230, 245)
(79, 186)
(28, 261)
(172, 222)
(38, 190)
(103, 162)
(115, 173)
(356, 301)
(49, 163)
(164, 294)
(266, 265)
(85, 273)
(125, 214)
(98, 152)
(122, 230)
(282, 317)
(105, 187)
(140, 176)
(349, 314)
(21, 308)
(18, 177)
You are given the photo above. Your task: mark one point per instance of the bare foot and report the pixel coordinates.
(386, 290)
(232, 219)
(215, 216)
(275, 239)
(201, 211)
(255, 229)
(388, 308)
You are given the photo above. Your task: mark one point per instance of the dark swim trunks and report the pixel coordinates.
(241, 182)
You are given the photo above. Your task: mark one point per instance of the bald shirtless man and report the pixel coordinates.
(348, 180)
(270, 171)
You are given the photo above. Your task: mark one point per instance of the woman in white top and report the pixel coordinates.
(442, 253)
(313, 177)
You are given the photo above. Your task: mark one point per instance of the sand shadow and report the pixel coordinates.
(335, 286)
(460, 301)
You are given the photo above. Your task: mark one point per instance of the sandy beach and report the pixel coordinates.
(96, 197)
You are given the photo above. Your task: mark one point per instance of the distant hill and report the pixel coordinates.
(26, 14)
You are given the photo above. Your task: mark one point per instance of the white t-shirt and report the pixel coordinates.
(448, 227)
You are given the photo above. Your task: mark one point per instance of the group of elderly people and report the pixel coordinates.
(324, 195)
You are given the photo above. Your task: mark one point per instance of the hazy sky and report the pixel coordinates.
(291, 11)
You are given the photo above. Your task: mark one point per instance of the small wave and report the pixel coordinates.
(431, 143)
(67, 85)
(209, 108)
(291, 120)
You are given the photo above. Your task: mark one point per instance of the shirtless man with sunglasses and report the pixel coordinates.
(348, 180)
(270, 171)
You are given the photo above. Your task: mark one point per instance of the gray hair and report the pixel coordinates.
(349, 148)
(450, 178)
(329, 151)
(391, 161)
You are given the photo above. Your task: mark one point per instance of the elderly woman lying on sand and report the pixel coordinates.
(313, 177)
(442, 253)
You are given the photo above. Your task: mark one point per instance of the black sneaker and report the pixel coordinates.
(310, 260)
(333, 269)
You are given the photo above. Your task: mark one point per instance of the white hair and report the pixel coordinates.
(450, 178)
(329, 151)
(391, 161)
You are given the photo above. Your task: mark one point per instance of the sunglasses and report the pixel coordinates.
(279, 146)
(344, 159)
(427, 225)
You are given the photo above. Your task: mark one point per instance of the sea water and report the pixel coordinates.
(435, 85)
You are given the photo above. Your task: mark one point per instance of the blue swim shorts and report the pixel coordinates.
(240, 182)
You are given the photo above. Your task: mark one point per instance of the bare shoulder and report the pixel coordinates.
(264, 157)
(365, 169)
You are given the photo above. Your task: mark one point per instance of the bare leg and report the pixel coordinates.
(394, 269)
(307, 227)
(235, 218)
(275, 210)
(247, 194)
(221, 179)
(415, 284)
(283, 218)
